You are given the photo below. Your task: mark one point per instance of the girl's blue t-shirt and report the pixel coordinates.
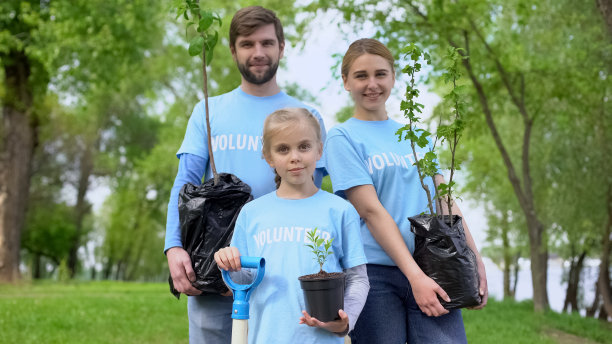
(368, 153)
(275, 228)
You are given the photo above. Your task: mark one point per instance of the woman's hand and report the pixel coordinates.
(484, 288)
(426, 291)
(336, 326)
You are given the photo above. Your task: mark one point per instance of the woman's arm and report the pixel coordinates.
(385, 232)
(484, 290)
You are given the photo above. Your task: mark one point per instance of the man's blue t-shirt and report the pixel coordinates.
(275, 228)
(236, 120)
(368, 153)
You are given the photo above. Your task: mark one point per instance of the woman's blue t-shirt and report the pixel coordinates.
(368, 153)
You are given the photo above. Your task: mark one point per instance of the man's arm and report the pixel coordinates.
(191, 170)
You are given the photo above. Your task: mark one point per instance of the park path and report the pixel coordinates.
(565, 338)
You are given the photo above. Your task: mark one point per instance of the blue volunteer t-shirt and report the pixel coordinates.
(368, 153)
(236, 121)
(275, 228)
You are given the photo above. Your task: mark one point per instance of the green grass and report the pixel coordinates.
(97, 312)
(117, 312)
(515, 322)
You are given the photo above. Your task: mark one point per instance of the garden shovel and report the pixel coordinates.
(242, 292)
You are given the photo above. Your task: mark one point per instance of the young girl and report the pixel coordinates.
(374, 171)
(274, 226)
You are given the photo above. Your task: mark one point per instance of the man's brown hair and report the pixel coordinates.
(247, 20)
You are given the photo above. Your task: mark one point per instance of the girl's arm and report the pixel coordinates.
(484, 289)
(385, 232)
(356, 293)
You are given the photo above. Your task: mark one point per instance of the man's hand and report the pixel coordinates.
(336, 326)
(425, 291)
(181, 271)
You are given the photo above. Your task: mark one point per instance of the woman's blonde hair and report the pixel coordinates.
(365, 46)
(281, 120)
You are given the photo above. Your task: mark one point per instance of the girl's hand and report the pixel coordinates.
(228, 258)
(336, 326)
(425, 291)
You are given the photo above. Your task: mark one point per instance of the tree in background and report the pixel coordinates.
(79, 53)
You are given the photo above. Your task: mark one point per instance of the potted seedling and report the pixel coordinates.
(441, 249)
(323, 291)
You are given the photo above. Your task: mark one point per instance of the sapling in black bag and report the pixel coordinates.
(441, 251)
(207, 215)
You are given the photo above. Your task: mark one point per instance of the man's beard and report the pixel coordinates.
(254, 79)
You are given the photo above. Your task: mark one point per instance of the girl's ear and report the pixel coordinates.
(268, 160)
(320, 151)
(344, 78)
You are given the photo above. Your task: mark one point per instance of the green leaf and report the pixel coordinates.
(196, 45)
(217, 18)
(205, 21)
(430, 156)
(211, 42)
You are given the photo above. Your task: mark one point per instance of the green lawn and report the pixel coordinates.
(515, 322)
(116, 312)
(98, 312)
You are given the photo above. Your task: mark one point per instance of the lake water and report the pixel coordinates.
(557, 282)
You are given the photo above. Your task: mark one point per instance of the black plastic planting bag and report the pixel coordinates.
(207, 215)
(442, 253)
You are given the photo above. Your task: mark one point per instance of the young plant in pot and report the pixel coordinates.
(323, 291)
(441, 249)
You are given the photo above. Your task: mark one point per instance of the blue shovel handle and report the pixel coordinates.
(242, 292)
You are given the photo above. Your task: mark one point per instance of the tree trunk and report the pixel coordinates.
(18, 140)
(537, 246)
(36, 266)
(516, 274)
(82, 207)
(605, 7)
(590, 312)
(603, 315)
(119, 272)
(604, 266)
(507, 254)
(605, 290)
(108, 269)
(571, 296)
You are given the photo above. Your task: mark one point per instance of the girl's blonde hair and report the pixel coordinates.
(281, 120)
(365, 46)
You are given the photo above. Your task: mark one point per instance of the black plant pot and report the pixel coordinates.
(441, 251)
(323, 296)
